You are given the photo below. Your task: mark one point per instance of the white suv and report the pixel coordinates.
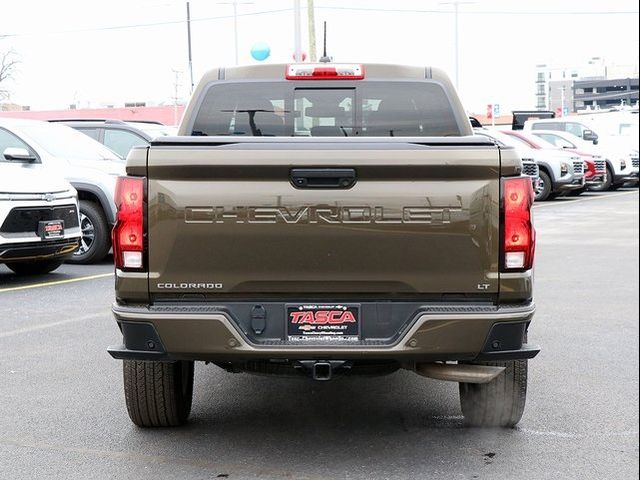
(39, 221)
(90, 167)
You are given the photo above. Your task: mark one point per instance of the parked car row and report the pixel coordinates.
(57, 187)
(571, 157)
(620, 155)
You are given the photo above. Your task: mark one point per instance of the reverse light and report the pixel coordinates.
(128, 232)
(519, 234)
(324, 71)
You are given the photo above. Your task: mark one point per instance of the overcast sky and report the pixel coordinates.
(94, 52)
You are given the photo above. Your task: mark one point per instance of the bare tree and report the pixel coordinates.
(8, 64)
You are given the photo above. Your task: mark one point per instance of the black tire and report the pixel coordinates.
(603, 187)
(499, 403)
(543, 191)
(37, 267)
(96, 235)
(158, 394)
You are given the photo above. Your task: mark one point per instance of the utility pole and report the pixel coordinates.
(235, 4)
(456, 10)
(311, 15)
(176, 85)
(297, 40)
(189, 46)
(235, 29)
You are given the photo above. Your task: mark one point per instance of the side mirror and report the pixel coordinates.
(590, 136)
(18, 154)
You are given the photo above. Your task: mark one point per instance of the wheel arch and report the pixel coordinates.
(94, 194)
(544, 167)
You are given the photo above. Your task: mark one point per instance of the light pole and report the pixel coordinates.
(297, 41)
(235, 4)
(312, 31)
(456, 10)
(189, 46)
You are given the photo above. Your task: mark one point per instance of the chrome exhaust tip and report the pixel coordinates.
(456, 372)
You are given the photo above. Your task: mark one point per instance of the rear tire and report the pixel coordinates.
(543, 191)
(158, 394)
(35, 268)
(499, 403)
(96, 236)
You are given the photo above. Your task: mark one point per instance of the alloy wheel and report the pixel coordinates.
(540, 187)
(88, 235)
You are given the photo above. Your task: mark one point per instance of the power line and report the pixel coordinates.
(141, 25)
(486, 12)
(282, 10)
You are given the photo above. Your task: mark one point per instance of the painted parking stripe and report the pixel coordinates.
(586, 199)
(56, 282)
(44, 326)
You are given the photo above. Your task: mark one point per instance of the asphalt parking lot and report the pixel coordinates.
(62, 412)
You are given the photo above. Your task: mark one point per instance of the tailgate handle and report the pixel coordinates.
(323, 177)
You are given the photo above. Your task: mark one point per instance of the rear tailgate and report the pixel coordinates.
(225, 218)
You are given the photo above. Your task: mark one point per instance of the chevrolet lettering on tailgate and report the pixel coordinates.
(314, 214)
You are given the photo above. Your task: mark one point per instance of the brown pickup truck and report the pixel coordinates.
(324, 220)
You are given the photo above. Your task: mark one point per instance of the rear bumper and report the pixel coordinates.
(433, 333)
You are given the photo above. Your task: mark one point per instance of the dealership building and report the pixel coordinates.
(593, 85)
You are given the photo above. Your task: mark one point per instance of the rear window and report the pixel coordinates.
(305, 109)
(547, 126)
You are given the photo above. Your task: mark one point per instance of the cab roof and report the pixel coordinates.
(277, 71)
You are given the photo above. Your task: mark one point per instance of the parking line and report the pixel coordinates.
(44, 326)
(56, 282)
(586, 199)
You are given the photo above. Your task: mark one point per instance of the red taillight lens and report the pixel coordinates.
(127, 235)
(519, 234)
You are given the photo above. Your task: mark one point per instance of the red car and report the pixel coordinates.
(595, 167)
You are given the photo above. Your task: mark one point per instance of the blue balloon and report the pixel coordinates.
(260, 51)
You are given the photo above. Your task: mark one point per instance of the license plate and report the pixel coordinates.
(323, 322)
(51, 229)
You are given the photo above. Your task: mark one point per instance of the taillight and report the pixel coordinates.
(127, 235)
(519, 235)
